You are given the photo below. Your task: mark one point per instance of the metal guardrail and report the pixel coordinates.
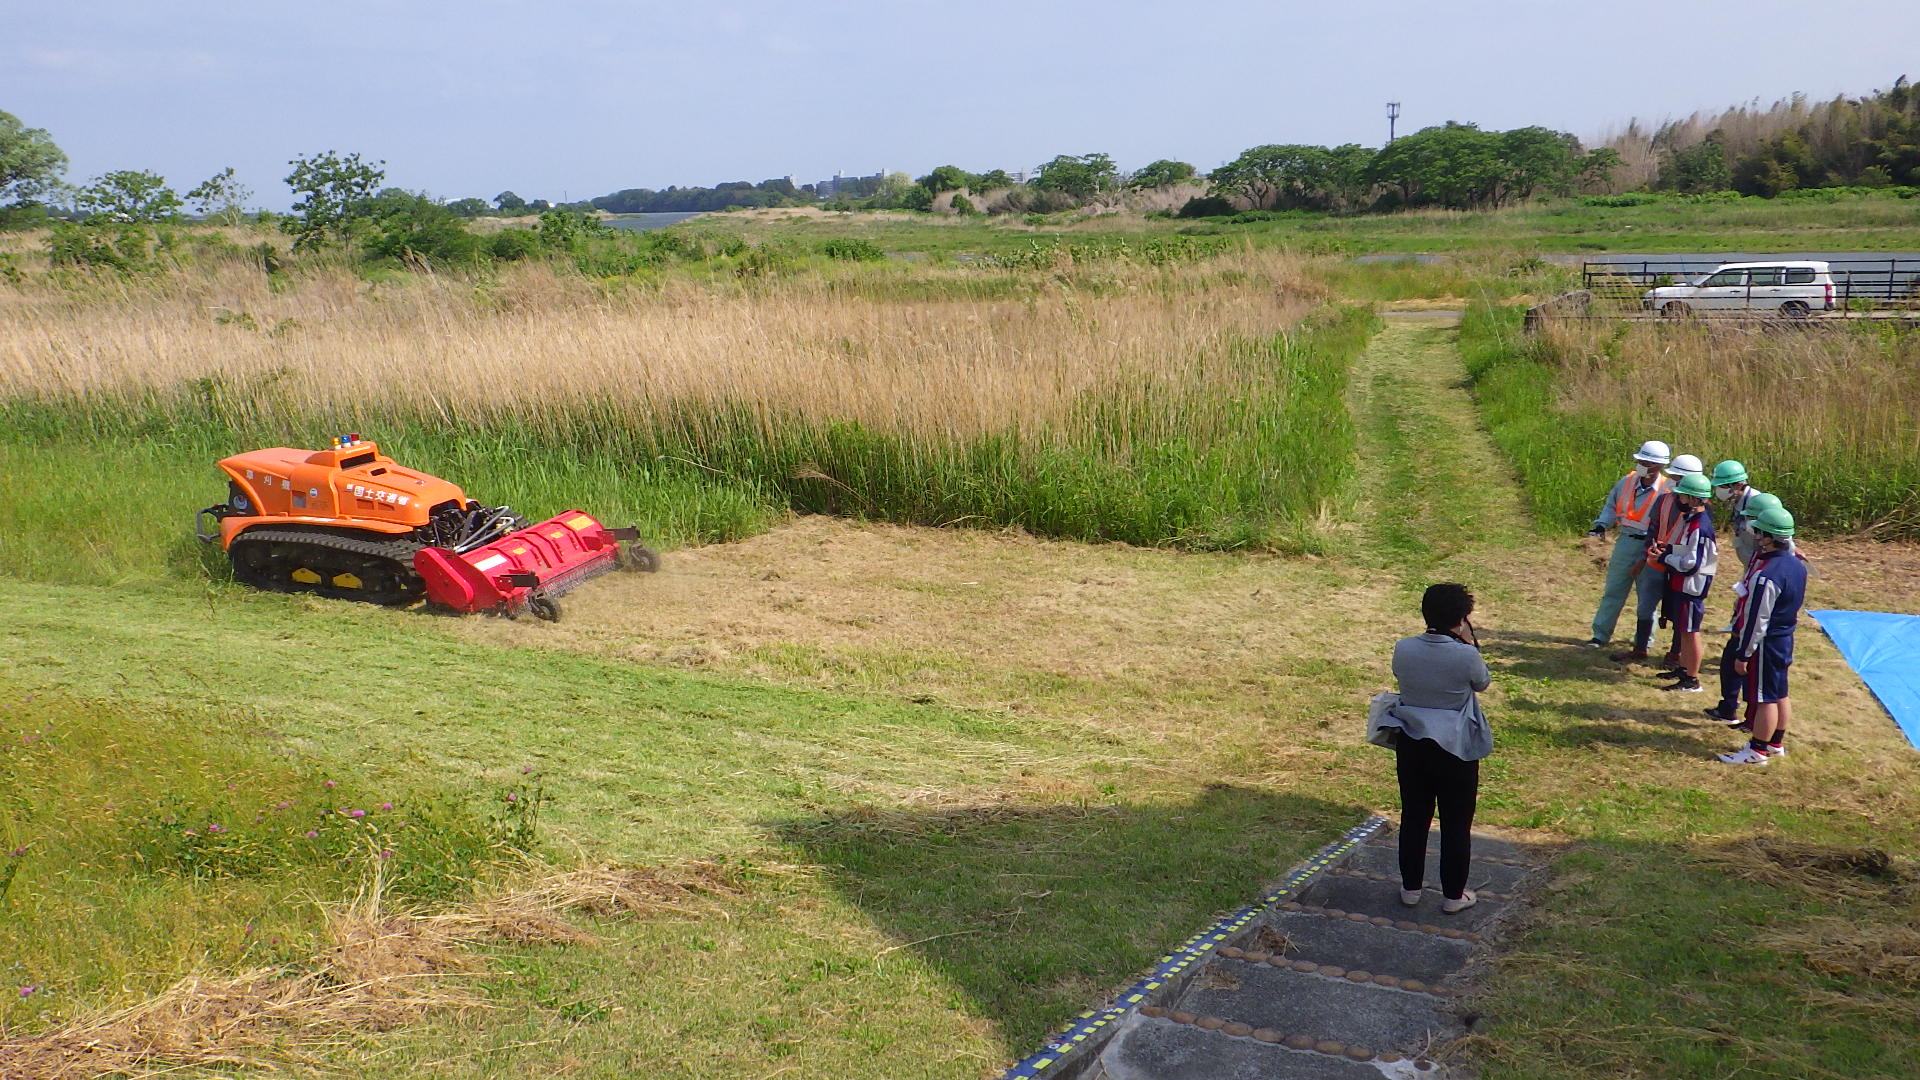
(1890, 282)
(1590, 305)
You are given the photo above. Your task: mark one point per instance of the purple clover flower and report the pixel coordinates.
(356, 813)
(29, 991)
(386, 806)
(313, 834)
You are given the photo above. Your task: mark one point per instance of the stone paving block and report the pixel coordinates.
(1151, 1049)
(1484, 846)
(1290, 1002)
(1378, 860)
(1319, 940)
(1379, 899)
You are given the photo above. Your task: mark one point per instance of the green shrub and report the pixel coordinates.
(1631, 198)
(1206, 206)
(852, 250)
(411, 227)
(125, 247)
(512, 245)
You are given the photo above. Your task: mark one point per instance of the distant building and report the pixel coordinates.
(828, 188)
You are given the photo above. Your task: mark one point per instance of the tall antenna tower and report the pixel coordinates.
(1393, 113)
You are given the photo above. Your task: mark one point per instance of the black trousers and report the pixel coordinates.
(1430, 777)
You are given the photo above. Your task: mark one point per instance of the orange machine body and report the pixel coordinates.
(353, 486)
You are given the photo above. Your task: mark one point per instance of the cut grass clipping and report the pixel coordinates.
(380, 969)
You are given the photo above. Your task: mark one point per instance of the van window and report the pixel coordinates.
(1767, 275)
(1799, 275)
(1725, 278)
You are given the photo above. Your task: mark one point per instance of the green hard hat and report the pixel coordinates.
(1729, 472)
(1759, 503)
(1695, 485)
(1775, 521)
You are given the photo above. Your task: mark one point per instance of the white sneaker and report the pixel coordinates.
(1454, 907)
(1746, 755)
(1593, 643)
(1776, 751)
(1410, 897)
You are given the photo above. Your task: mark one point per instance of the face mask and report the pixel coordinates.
(1646, 469)
(1724, 492)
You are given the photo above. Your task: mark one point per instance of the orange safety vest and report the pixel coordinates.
(1669, 523)
(1631, 518)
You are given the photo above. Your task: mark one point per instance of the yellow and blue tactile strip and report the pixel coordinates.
(1090, 1025)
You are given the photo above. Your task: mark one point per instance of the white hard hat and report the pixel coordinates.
(1684, 465)
(1653, 450)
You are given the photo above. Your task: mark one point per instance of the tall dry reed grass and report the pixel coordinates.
(537, 346)
(1178, 403)
(1822, 417)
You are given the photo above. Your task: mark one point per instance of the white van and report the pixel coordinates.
(1791, 289)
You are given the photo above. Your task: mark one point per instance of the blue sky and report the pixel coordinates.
(580, 98)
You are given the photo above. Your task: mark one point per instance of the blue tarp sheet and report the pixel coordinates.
(1885, 650)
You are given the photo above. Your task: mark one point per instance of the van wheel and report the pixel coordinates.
(1674, 309)
(1794, 309)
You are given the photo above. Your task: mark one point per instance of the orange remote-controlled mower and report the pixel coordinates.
(349, 522)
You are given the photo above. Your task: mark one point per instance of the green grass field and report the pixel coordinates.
(963, 781)
(1573, 226)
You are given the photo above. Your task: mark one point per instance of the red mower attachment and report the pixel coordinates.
(526, 570)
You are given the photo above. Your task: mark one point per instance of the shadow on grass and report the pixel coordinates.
(1602, 725)
(1036, 913)
(1547, 656)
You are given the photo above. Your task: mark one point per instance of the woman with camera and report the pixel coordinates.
(1442, 735)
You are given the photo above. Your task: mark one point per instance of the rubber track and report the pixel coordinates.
(397, 554)
(400, 551)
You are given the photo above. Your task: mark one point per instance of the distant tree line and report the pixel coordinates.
(733, 194)
(1870, 142)
(1866, 142)
(1454, 165)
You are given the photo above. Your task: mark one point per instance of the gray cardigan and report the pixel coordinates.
(1438, 678)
